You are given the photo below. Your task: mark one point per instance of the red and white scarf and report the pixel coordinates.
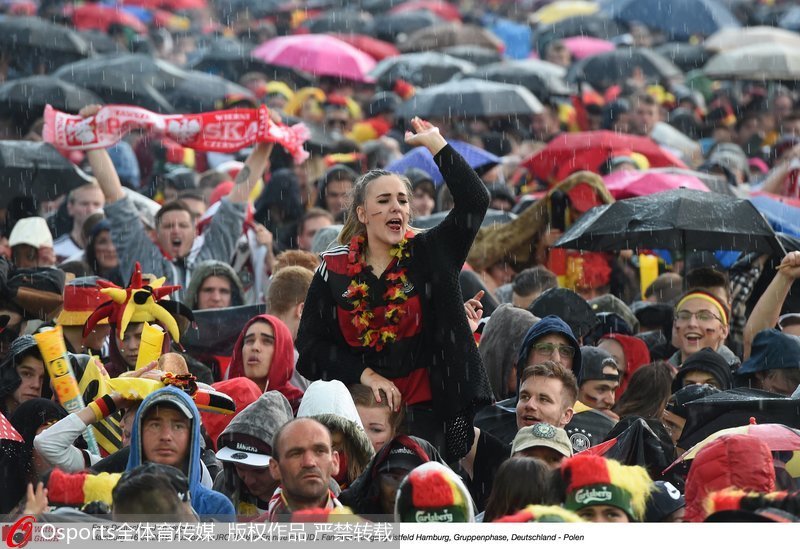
(218, 131)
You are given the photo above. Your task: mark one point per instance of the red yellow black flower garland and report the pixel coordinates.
(378, 332)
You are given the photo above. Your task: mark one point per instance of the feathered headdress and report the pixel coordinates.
(138, 302)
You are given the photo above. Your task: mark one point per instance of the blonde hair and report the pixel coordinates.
(358, 194)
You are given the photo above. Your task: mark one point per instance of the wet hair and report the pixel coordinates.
(549, 368)
(509, 495)
(358, 194)
(153, 492)
(708, 277)
(313, 213)
(289, 287)
(295, 258)
(174, 206)
(534, 279)
(363, 396)
(647, 393)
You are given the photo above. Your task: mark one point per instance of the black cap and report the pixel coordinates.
(593, 360)
(664, 500)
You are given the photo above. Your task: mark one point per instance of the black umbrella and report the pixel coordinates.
(29, 96)
(493, 217)
(101, 43)
(201, 92)
(344, 21)
(681, 219)
(28, 168)
(469, 98)
(217, 329)
(543, 79)
(569, 307)
(395, 27)
(135, 79)
(421, 69)
(734, 408)
(474, 54)
(610, 68)
(687, 57)
(32, 42)
(231, 10)
(636, 441)
(597, 26)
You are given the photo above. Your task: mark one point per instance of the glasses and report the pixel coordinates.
(702, 316)
(548, 348)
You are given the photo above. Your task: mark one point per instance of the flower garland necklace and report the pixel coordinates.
(374, 332)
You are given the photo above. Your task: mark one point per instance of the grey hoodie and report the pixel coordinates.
(213, 267)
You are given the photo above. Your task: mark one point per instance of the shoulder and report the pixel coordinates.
(335, 260)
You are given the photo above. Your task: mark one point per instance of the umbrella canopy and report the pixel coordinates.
(397, 27)
(101, 43)
(100, 17)
(493, 217)
(343, 21)
(217, 329)
(782, 216)
(420, 157)
(35, 169)
(32, 41)
(734, 408)
(682, 219)
(542, 78)
(474, 54)
(731, 39)
(445, 10)
(201, 92)
(598, 25)
(679, 19)
(471, 97)
(757, 62)
(790, 19)
(778, 437)
(319, 54)
(686, 57)
(421, 69)
(29, 96)
(516, 37)
(582, 47)
(607, 69)
(627, 184)
(563, 9)
(450, 34)
(571, 152)
(377, 49)
(128, 79)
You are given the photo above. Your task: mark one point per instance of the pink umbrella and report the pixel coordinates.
(319, 54)
(627, 184)
(586, 46)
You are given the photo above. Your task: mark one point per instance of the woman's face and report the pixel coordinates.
(376, 423)
(105, 251)
(386, 211)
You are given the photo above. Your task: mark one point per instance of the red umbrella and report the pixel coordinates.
(100, 17)
(571, 152)
(627, 184)
(7, 431)
(319, 54)
(377, 49)
(445, 10)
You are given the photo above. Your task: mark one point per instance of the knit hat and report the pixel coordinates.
(541, 513)
(594, 480)
(433, 493)
(542, 434)
(735, 505)
(705, 360)
(32, 231)
(81, 297)
(594, 360)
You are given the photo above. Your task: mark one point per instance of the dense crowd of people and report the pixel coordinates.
(284, 334)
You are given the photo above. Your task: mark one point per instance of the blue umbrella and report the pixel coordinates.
(783, 217)
(421, 158)
(516, 36)
(680, 19)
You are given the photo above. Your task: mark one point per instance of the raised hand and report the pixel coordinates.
(425, 135)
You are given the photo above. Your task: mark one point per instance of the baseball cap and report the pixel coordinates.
(401, 457)
(166, 397)
(542, 434)
(594, 360)
(32, 231)
(245, 450)
(664, 500)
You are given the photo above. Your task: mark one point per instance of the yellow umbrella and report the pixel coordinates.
(562, 9)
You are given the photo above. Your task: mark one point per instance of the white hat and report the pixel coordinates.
(32, 231)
